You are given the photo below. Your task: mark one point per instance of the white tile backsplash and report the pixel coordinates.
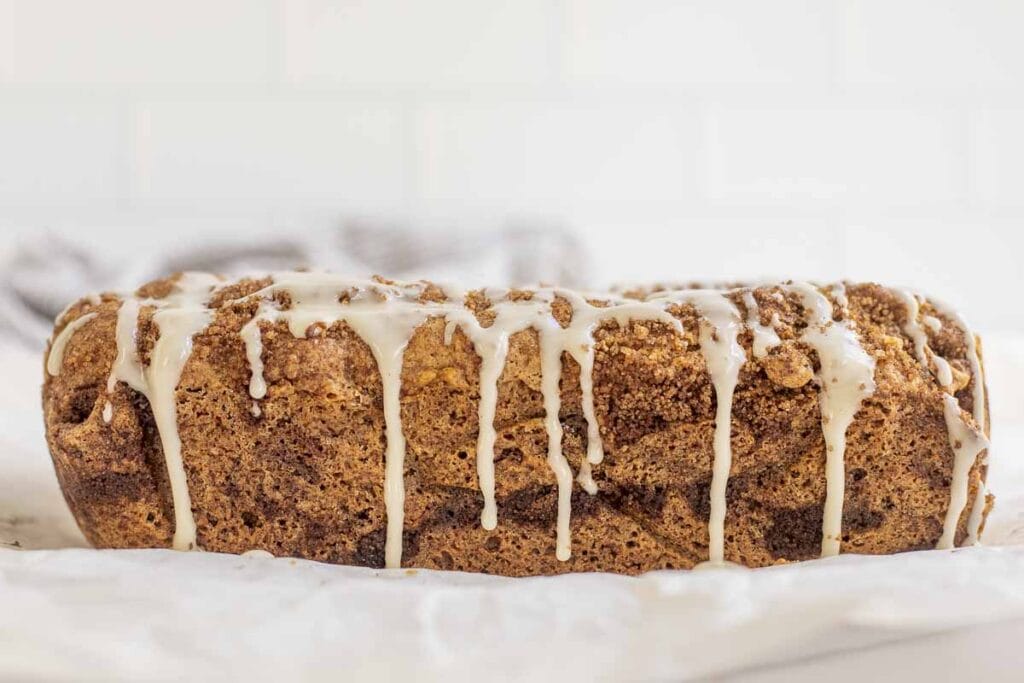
(699, 41)
(60, 152)
(545, 155)
(443, 42)
(997, 160)
(934, 43)
(269, 153)
(142, 42)
(6, 40)
(834, 154)
(701, 138)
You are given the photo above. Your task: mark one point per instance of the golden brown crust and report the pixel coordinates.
(305, 478)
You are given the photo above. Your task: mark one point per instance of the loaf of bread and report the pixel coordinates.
(518, 432)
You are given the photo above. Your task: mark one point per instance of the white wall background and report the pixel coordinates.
(682, 138)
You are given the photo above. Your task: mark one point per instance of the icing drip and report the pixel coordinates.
(932, 323)
(253, 340)
(317, 299)
(719, 332)
(388, 343)
(172, 350)
(179, 317)
(921, 349)
(491, 366)
(127, 367)
(94, 299)
(943, 372)
(966, 444)
(550, 373)
(977, 375)
(838, 292)
(911, 327)
(846, 378)
(583, 354)
(980, 420)
(449, 332)
(586, 478)
(491, 343)
(765, 336)
(56, 358)
(578, 341)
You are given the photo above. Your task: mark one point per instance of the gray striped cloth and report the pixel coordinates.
(45, 274)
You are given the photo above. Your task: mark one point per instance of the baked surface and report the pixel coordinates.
(305, 476)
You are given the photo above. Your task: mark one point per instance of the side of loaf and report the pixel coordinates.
(518, 432)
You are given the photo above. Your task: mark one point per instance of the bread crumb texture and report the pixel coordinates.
(304, 477)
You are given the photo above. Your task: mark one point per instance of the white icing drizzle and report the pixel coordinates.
(723, 355)
(179, 316)
(253, 340)
(838, 292)
(965, 442)
(973, 359)
(108, 412)
(492, 344)
(583, 354)
(943, 372)
(550, 374)
(171, 351)
(127, 366)
(55, 359)
(577, 339)
(493, 351)
(765, 336)
(93, 299)
(921, 349)
(585, 478)
(388, 340)
(911, 327)
(846, 378)
(315, 299)
(980, 420)
(932, 323)
(449, 332)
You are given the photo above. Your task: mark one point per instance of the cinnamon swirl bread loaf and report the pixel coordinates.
(517, 432)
